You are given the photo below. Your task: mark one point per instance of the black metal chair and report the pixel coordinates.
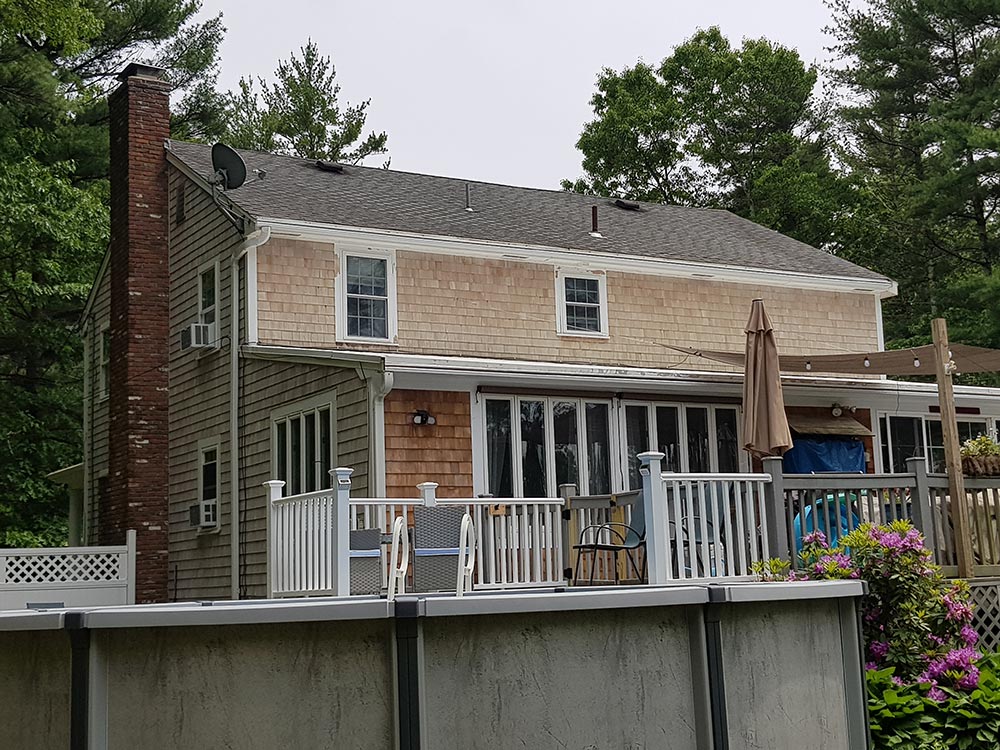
(615, 538)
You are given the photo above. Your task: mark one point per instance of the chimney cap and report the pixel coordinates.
(143, 70)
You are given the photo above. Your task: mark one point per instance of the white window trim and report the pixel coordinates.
(214, 266)
(203, 447)
(324, 400)
(561, 325)
(341, 293)
(103, 384)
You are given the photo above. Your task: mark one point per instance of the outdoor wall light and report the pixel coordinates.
(839, 409)
(422, 416)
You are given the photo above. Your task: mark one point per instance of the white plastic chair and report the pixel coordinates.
(400, 551)
(466, 556)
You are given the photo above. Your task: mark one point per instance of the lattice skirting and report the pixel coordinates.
(985, 595)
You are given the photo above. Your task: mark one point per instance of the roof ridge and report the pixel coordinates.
(311, 162)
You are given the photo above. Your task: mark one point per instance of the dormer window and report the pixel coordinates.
(366, 296)
(582, 298)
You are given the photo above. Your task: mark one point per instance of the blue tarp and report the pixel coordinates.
(813, 455)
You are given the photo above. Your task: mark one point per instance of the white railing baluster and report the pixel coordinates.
(744, 532)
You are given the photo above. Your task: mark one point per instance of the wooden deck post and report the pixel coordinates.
(952, 455)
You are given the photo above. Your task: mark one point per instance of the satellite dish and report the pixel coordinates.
(230, 169)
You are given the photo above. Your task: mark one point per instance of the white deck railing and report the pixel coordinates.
(518, 541)
(703, 525)
(68, 576)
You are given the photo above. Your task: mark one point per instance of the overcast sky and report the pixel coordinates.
(494, 91)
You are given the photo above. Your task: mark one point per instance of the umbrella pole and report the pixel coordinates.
(952, 454)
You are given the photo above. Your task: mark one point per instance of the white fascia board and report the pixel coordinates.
(444, 245)
(430, 372)
(311, 355)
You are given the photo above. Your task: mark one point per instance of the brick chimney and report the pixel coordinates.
(137, 493)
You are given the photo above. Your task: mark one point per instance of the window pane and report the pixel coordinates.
(295, 470)
(636, 442)
(726, 441)
(587, 291)
(907, 440)
(697, 437)
(367, 318)
(668, 437)
(883, 432)
(366, 276)
(207, 289)
(311, 461)
(498, 448)
(935, 436)
(598, 450)
(325, 449)
(582, 318)
(281, 453)
(564, 432)
(533, 448)
(209, 478)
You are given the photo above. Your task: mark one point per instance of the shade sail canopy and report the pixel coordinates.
(765, 427)
(811, 424)
(918, 360)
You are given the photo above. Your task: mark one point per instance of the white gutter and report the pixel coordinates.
(506, 368)
(609, 261)
(250, 245)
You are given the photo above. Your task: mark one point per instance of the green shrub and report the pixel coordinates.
(903, 717)
(983, 445)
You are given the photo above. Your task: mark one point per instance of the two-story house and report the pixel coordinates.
(492, 339)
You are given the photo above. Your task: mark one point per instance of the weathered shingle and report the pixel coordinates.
(373, 198)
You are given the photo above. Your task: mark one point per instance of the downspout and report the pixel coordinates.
(250, 245)
(379, 386)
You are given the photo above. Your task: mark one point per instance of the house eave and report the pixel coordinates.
(442, 244)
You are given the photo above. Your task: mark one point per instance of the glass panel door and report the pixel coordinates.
(499, 453)
(598, 450)
(636, 441)
(668, 440)
(533, 458)
(699, 458)
(565, 434)
(726, 440)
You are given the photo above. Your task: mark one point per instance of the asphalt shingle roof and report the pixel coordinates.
(295, 189)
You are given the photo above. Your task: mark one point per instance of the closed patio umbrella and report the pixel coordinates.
(765, 428)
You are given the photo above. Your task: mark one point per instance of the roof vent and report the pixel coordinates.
(329, 166)
(627, 205)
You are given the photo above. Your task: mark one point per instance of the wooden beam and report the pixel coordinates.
(952, 455)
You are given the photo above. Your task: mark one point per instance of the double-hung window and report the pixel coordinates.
(303, 448)
(535, 444)
(366, 296)
(208, 293)
(582, 299)
(208, 486)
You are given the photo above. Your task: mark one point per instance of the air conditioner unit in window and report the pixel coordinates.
(203, 515)
(199, 336)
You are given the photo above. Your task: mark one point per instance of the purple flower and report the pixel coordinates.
(970, 680)
(957, 611)
(969, 635)
(878, 649)
(814, 537)
(870, 666)
(898, 681)
(937, 694)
